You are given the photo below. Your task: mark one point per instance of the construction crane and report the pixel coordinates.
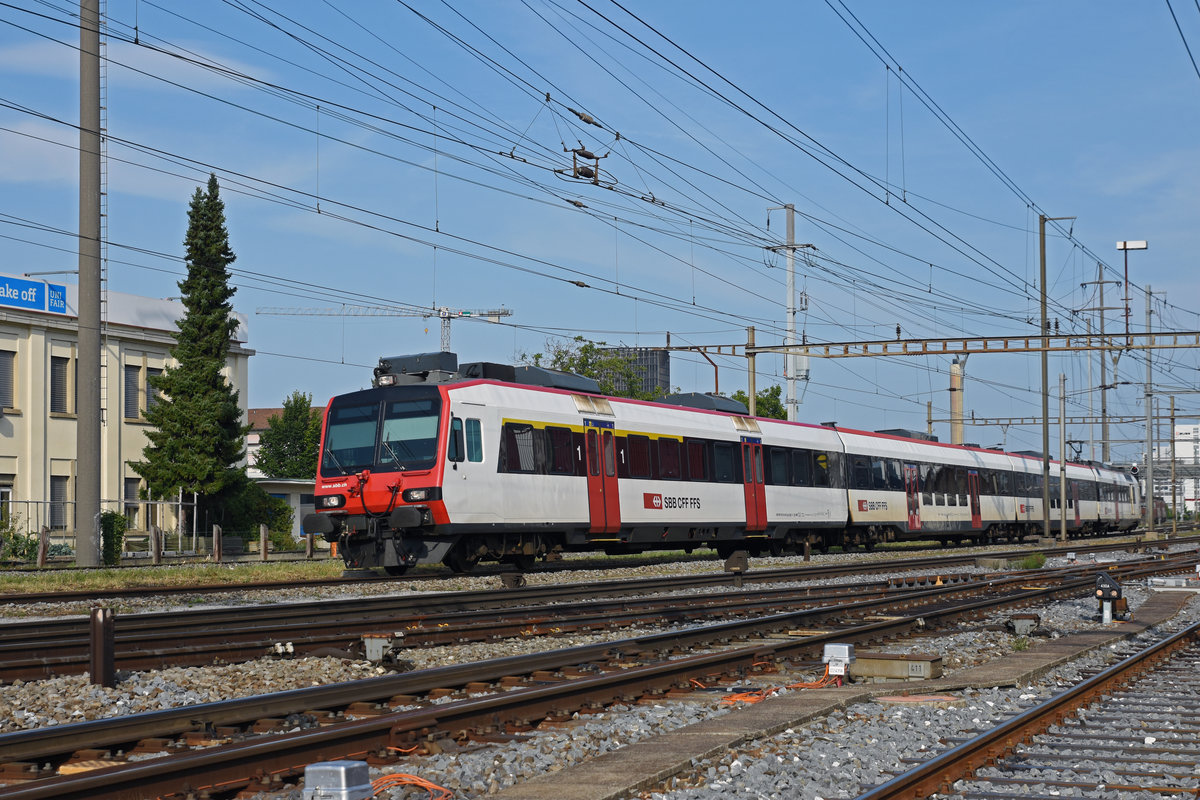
(443, 313)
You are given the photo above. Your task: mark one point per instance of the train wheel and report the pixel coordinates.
(458, 561)
(396, 570)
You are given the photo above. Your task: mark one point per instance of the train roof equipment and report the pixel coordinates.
(706, 402)
(443, 367)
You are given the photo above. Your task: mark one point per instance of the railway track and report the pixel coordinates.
(145, 641)
(1132, 728)
(433, 577)
(544, 686)
(45, 647)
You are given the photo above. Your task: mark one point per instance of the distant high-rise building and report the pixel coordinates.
(655, 367)
(1187, 466)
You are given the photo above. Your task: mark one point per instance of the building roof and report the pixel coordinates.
(258, 417)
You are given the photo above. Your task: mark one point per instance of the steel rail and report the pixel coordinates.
(40, 744)
(173, 590)
(32, 657)
(939, 773)
(237, 765)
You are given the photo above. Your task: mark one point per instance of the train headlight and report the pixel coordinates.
(330, 501)
(422, 495)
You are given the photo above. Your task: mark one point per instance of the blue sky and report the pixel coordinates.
(434, 150)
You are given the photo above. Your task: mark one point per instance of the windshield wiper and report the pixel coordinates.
(391, 452)
(335, 461)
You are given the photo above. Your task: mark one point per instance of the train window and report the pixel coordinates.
(455, 447)
(577, 442)
(758, 465)
(349, 439)
(895, 475)
(562, 451)
(823, 464)
(697, 463)
(668, 459)
(610, 458)
(474, 440)
(724, 469)
(639, 456)
(777, 471)
(408, 439)
(622, 448)
(593, 452)
(879, 478)
(802, 467)
(861, 476)
(517, 448)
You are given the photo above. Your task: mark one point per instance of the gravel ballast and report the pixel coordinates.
(832, 758)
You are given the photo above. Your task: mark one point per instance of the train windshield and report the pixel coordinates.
(395, 434)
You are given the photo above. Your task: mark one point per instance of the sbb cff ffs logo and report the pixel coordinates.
(652, 500)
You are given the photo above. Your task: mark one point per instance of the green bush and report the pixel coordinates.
(15, 545)
(282, 540)
(112, 537)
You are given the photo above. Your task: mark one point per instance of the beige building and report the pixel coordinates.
(38, 354)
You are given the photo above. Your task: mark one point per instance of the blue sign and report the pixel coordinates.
(32, 295)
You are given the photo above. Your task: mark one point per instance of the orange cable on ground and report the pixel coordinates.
(758, 695)
(397, 779)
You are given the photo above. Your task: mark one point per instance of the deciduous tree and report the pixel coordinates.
(288, 447)
(768, 402)
(617, 372)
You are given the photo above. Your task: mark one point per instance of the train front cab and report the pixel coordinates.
(379, 475)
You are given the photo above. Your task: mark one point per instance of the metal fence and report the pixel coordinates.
(57, 518)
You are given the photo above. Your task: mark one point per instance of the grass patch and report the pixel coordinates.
(1033, 561)
(230, 574)
(1020, 643)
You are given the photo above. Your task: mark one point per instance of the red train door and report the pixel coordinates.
(912, 491)
(604, 504)
(752, 476)
(973, 491)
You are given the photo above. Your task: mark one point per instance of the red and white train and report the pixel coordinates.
(437, 463)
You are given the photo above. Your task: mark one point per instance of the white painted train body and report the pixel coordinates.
(464, 469)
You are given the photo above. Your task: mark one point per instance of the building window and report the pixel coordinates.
(133, 377)
(139, 395)
(7, 360)
(58, 502)
(60, 385)
(132, 487)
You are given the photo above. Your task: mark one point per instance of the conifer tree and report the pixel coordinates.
(288, 448)
(196, 435)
